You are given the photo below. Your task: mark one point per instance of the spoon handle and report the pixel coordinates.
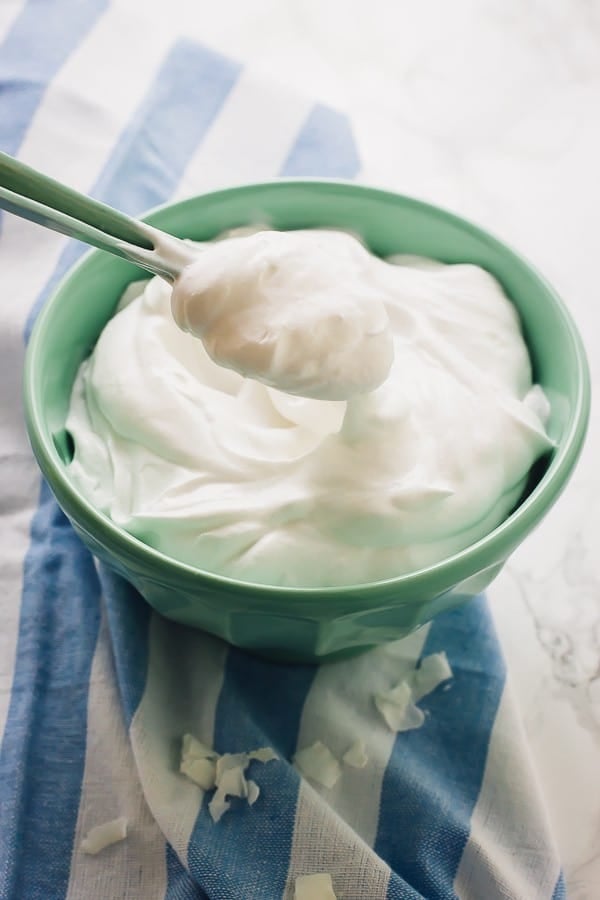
(28, 193)
(58, 221)
(28, 182)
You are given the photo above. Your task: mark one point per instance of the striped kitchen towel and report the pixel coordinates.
(96, 691)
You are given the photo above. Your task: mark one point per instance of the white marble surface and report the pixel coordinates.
(491, 107)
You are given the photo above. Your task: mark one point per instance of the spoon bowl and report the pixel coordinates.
(241, 330)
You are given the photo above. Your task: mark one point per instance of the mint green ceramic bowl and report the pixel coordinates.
(287, 623)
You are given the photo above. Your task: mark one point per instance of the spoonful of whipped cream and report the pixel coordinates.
(297, 310)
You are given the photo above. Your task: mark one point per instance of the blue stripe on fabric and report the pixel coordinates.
(325, 147)
(398, 889)
(41, 38)
(128, 617)
(180, 884)
(560, 891)
(260, 705)
(43, 750)
(434, 775)
(152, 153)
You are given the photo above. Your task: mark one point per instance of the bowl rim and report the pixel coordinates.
(492, 549)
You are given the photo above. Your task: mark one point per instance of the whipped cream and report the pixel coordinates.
(297, 310)
(239, 478)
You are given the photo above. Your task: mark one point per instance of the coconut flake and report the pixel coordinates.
(398, 705)
(232, 783)
(318, 763)
(198, 762)
(398, 710)
(263, 754)
(104, 835)
(314, 887)
(230, 761)
(253, 792)
(226, 772)
(433, 671)
(356, 755)
(192, 748)
(200, 771)
(218, 806)
(242, 760)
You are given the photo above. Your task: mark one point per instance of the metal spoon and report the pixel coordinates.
(315, 372)
(28, 193)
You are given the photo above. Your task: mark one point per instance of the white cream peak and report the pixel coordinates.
(296, 310)
(235, 477)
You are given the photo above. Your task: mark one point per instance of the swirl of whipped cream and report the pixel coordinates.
(239, 478)
(296, 310)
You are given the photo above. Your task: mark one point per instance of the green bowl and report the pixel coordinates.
(305, 624)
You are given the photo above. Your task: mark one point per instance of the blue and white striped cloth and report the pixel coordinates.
(96, 690)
